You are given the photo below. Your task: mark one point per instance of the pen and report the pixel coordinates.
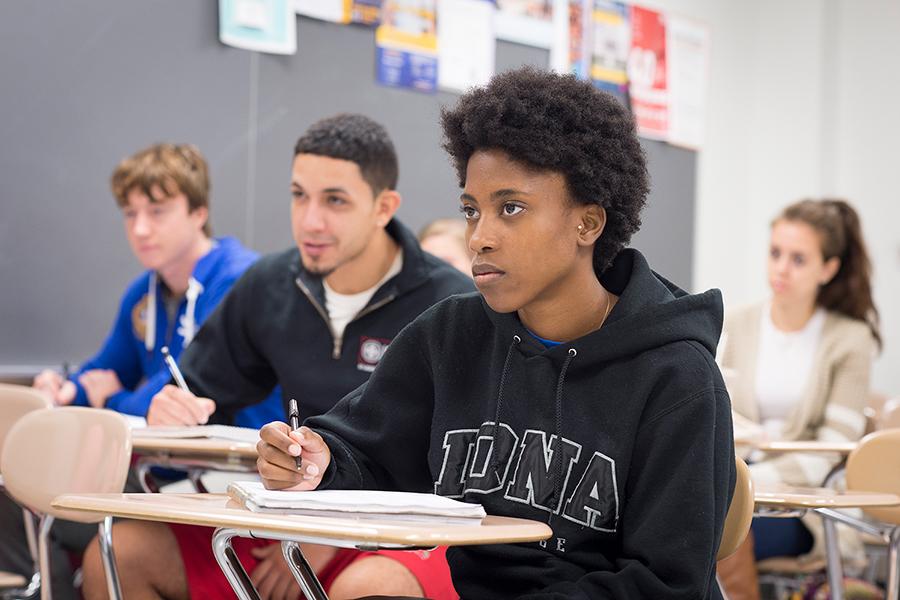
(294, 417)
(174, 370)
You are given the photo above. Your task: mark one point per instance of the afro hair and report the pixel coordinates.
(554, 122)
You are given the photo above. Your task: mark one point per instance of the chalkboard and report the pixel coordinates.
(86, 83)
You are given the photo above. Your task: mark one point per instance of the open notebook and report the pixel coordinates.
(357, 504)
(215, 432)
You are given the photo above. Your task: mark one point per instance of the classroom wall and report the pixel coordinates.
(864, 155)
(87, 83)
(801, 103)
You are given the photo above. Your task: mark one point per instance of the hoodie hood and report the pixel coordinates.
(651, 312)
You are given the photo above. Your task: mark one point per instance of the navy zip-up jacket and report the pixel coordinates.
(273, 329)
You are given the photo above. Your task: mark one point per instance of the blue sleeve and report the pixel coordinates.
(119, 352)
(138, 402)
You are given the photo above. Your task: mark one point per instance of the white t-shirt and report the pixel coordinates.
(343, 307)
(783, 365)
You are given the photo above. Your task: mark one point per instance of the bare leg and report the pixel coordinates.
(375, 575)
(148, 559)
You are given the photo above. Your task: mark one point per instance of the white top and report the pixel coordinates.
(342, 308)
(784, 362)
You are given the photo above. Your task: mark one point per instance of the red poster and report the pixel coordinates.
(648, 86)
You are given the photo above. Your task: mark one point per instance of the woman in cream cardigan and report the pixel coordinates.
(800, 361)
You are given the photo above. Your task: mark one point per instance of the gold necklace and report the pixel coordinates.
(608, 308)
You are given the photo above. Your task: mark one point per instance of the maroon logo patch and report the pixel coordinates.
(370, 352)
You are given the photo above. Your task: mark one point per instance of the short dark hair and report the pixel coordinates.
(358, 139)
(555, 122)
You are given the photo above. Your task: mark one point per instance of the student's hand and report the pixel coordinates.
(277, 448)
(99, 384)
(173, 406)
(272, 577)
(61, 391)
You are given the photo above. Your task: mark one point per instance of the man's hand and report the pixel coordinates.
(278, 446)
(99, 384)
(273, 578)
(60, 390)
(173, 406)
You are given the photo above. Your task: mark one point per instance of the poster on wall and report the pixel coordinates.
(688, 64)
(528, 22)
(406, 45)
(466, 43)
(363, 12)
(610, 34)
(647, 73)
(334, 11)
(261, 25)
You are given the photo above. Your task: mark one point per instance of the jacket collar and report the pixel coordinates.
(413, 274)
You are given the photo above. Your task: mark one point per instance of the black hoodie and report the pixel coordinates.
(620, 440)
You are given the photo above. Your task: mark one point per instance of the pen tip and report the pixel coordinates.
(164, 350)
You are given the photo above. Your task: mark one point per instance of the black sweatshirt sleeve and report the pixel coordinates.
(378, 434)
(682, 473)
(222, 362)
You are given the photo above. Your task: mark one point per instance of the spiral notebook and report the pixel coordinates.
(357, 504)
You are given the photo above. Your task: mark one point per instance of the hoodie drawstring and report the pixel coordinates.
(189, 321)
(495, 463)
(557, 488)
(150, 327)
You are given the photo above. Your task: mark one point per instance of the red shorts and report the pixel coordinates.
(206, 580)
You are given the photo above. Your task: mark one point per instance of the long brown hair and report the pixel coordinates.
(850, 291)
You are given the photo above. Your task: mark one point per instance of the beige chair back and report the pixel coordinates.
(740, 511)
(874, 466)
(66, 450)
(15, 402)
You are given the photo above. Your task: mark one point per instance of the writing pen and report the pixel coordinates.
(294, 418)
(174, 370)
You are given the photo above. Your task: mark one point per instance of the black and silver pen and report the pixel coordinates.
(294, 418)
(173, 369)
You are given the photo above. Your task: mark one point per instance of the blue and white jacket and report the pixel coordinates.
(141, 329)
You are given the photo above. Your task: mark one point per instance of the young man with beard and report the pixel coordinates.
(315, 320)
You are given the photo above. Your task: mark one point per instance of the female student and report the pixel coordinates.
(578, 388)
(801, 359)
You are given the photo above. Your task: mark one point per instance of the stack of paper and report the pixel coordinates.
(357, 504)
(217, 432)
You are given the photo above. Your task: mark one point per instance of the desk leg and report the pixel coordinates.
(833, 557)
(231, 566)
(303, 573)
(142, 469)
(44, 555)
(109, 559)
(194, 475)
(893, 580)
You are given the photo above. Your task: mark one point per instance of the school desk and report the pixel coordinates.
(788, 501)
(842, 448)
(194, 455)
(233, 520)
